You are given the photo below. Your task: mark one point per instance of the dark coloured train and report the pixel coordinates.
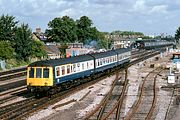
(152, 44)
(45, 75)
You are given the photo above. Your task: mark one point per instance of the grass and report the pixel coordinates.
(15, 63)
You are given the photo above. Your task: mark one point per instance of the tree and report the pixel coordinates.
(6, 50)
(103, 42)
(23, 42)
(62, 30)
(177, 35)
(38, 49)
(7, 27)
(84, 29)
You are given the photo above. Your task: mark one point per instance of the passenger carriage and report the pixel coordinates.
(43, 75)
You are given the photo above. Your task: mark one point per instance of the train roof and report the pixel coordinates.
(61, 61)
(81, 58)
(122, 50)
(151, 40)
(110, 53)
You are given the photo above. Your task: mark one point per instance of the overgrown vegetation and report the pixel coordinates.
(177, 35)
(16, 44)
(126, 33)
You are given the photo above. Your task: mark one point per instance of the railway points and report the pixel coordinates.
(82, 103)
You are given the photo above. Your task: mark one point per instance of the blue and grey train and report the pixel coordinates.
(44, 75)
(152, 44)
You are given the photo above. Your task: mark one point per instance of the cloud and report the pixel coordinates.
(159, 9)
(148, 16)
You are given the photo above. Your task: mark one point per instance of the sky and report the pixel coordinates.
(152, 17)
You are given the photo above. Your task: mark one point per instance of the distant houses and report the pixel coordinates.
(38, 35)
(122, 41)
(53, 49)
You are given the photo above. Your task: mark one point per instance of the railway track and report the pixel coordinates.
(145, 105)
(12, 71)
(110, 107)
(13, 94)
(12, 84)
(13, 75)
(24, 108)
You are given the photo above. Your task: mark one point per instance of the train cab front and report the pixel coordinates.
(39, 79)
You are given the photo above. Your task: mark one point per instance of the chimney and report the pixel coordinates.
(38, 30)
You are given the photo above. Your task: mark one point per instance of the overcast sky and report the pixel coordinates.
(147, 16)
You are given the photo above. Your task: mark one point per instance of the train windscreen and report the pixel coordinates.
(46, 73)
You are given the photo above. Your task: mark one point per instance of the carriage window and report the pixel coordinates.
(78, 67)
(87, 65)
(82, 66)
(46, 73)
(110, 59)
(68, 69)
(31, 73)
(71, 68)
(38, 72)
(104, 60)
(100, 62)
(58, 71)
(74, 67)
(63, 70)
(91, 64)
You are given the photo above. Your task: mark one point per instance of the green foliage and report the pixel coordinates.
(62, 30)
(62, 49)
(7, 27)
(15, 63)
(102, 44)
(38, 49)
(0, 68)
(66, 30)
(177, 35)
(23, 42)
(17, 41)
(126, 33)
(84, 29)
(146, 37)
(6, 50)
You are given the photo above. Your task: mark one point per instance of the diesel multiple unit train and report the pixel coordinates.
(44, 75)
(53, 74)
(151, 44)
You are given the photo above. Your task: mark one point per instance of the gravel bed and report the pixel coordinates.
(79, 108)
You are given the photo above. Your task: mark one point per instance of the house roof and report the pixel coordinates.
(52, 49)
